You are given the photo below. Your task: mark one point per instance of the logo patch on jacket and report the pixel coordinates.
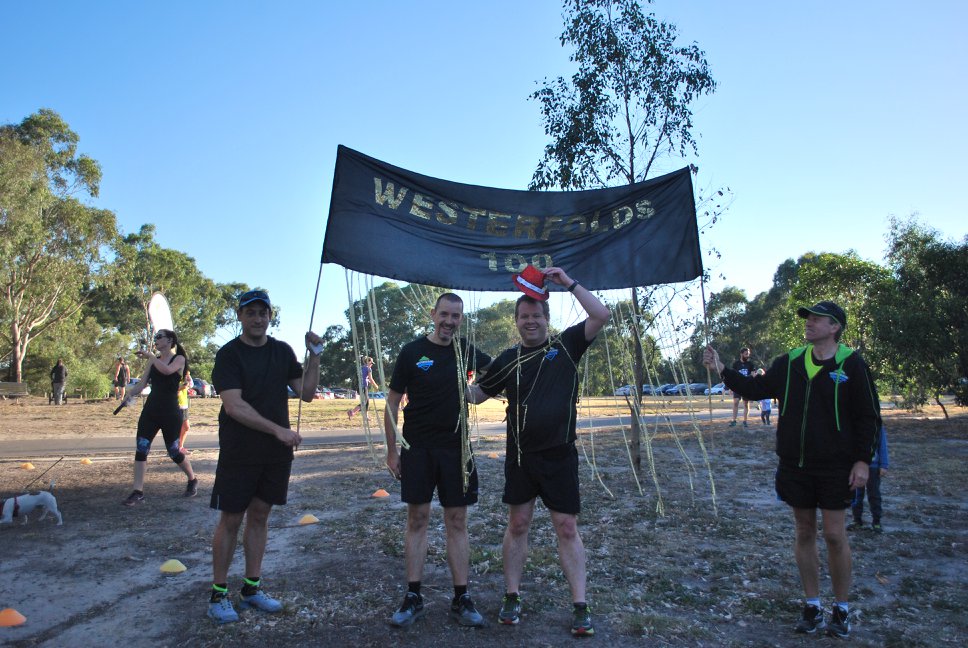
(552, 354)
(838, 376)
(424, 363)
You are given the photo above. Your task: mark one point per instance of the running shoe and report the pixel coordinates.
(877, 528)
(135, 498)
(733, 423)
(192, 489)
(811, 620)
(260, 601)
(410, 610)
(839, 625)
(221, 611)
(581, 625)
(465, 613)
(510, 613)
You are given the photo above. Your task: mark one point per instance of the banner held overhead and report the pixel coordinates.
(390, 222)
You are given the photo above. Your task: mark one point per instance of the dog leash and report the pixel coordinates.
(43, 473)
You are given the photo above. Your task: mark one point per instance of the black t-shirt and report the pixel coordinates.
(747, 368)
(262, 373)
(541, 384)
(430, 376)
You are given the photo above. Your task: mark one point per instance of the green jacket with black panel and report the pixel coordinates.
(828, 421)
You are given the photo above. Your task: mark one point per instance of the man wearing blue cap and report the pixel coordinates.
(256, 444)
(829, 418)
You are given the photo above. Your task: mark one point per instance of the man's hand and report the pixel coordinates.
(710, 360)
(558, 276)
(289, 437)
(393, 463)
(859, 474)
(314, 343)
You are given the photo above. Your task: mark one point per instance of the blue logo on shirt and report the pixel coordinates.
(838, 376)
(424, 363)
(552, 354)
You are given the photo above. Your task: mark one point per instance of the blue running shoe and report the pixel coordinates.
(466, 614)
(410, 610)
(260, 601)
(221, 611)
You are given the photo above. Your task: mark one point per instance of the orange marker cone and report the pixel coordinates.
(27, 466)
(10, 617)
(493, 455)
(380, 493)
(309, 518)
(86, 461)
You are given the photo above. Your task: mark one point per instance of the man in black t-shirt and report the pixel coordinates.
(58, 378)
(744, 367)
(256, 444)
(540, 378)
(432, 372)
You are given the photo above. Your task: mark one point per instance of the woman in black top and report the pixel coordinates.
(160, 412)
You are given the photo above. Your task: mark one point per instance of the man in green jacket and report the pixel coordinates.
(829, 417)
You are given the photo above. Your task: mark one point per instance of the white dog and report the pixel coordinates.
(24, 504)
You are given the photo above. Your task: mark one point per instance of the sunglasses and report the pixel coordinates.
(160, 336)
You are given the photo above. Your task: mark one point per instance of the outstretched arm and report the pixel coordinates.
(597, 312)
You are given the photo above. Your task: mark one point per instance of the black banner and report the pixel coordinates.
(390, 222)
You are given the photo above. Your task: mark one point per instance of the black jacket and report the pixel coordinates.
(830, 421)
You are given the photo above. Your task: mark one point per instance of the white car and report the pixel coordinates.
(624, 390)
(716, 390)
(133, 382)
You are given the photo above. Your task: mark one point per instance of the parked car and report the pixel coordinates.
(664, 390)
(291, 393)
(203, 388)
(715, 390)
(378, 394)
(340, 392)
(133, 382)
(624, 390)
(649, 390)
(324, 393)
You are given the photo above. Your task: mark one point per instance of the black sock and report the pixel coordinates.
(219, 590)
(414, 586)
(250, 585)
(581, 606)
(459, 591)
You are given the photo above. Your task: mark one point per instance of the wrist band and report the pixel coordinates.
(571, 288)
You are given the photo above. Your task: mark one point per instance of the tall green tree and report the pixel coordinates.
(52, 246)
(627, 106)
(920, 320)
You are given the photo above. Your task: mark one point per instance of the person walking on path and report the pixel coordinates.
(366, 379)
(436, 453)
(160, 412)
(58, 378)
(829, 418)
(745, 367)
(121, 376)
(251, 374)
(879, 466)
(540, 378)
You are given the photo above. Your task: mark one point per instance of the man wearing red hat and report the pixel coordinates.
(540, 378)
(829, 418)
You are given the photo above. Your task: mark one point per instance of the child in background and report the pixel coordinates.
(879, 466)
(766, 405)
(186, 384)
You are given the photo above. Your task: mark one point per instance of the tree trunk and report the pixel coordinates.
(635, 407)
(937, 399)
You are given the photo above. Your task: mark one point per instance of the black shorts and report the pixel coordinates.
(424, 469)
(236, 485)
(150, 422)
(552, 474)
(812, 488)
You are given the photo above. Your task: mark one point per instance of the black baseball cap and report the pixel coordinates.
(247, 298)
(826, 309)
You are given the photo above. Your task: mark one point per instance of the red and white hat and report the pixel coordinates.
(531, 283)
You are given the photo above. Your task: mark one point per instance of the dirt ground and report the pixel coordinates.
(706, 572)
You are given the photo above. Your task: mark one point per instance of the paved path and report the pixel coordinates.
(64, 446)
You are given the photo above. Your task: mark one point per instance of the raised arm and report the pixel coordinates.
(597, 312)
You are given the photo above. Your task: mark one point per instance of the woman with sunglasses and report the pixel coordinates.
(164, 373)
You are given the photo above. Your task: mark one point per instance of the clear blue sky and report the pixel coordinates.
(219, 121)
